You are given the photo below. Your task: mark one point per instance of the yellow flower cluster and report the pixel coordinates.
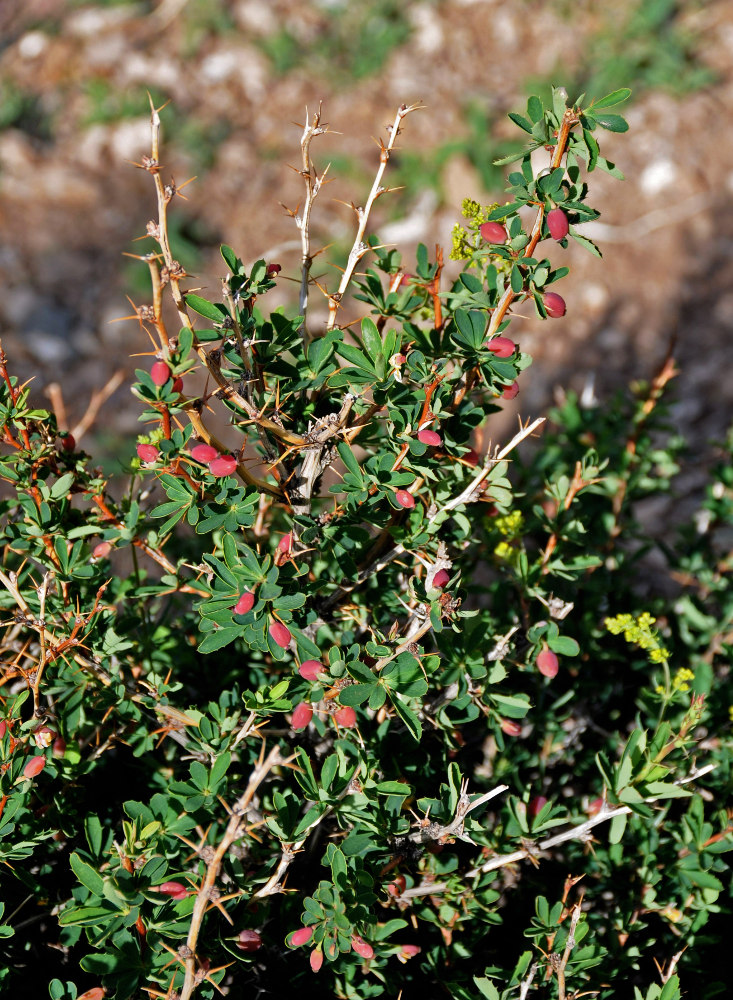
(509, 525)
(639, 631)
(507, 553)
(463, 243)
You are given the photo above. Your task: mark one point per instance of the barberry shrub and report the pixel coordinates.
(338, 693)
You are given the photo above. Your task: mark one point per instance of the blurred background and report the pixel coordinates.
(239, 75)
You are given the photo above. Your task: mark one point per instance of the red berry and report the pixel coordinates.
(511, 391)
(316, 959)
(68, 442)
(510, 727)
(492, 232)
(361, 947)
(397, 886)
(536, 805)
(405, 499)
(224, 465)
(595, 806)
(249, 941)
(176, 890)
(554, 305)
(345, 717)
(405, 280)
(557, 223)
(101, 550)
(471, 457)
(3, 728)
(430, 437)
(274, 269)
(160, 373)
(280, 634)
(286, 543)
(409, 951)
(310, 669)
(547, 663)
(301, 936)
(178, 384)
(34, 766)
(302, 715)
(441, 578)
(59, 746)
(204, 453)
(502, 347)
(147, 453)
(244, 604)
(96, 993)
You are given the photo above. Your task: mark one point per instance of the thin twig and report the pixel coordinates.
(359, 247)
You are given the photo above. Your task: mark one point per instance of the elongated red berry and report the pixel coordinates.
(34, 766)
(536, 805)
(511, 391)
(502, 347)
(405, 499)
(59, 746)
(302, 715)
(345, 717)
(510, 727)
(224, 465)
(409, 951)
(301, 936)
(249, 941)
(101, 550)
(286, 543)
(361, 947)
(316, 959)
(3, 728)
(204, 453)
(471, 457)
(492, 232)
(406, 279)
(280, 634)
(245, 603)
(547, 663)
(160, 373)
(310, 669)
(554, 305)
(177, 384)
(68, 442)
(176, 890)
(96, 993)
(397, 886)
(557, 223)
(430, 437)
(147, 453)
(441, 578)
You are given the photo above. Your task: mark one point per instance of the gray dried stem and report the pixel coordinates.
(232, 832)
(360, 248)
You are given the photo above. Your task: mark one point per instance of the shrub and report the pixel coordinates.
(322, 693)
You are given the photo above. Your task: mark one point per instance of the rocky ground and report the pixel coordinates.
(73, 120)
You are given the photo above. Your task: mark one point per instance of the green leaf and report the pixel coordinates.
(563, 645)
(618, 825)
(617, 97)
(217, 639)
(87, 875)
(206, 309)
(371, 339)
(408, 717)
(613, 123)
(486, 988)
(521, 121)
